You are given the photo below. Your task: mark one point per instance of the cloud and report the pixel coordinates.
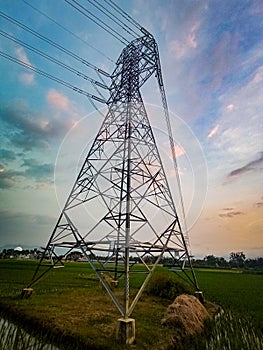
(241, 128)
(251, 166)
(191, 38)
(25, 229)
(30, 170)
(22, 56)
(230, 213)
(230, 107)
(213, 132)
(7, 155)
(224, 56)
(226, 44)
(28, 129)
(9, 178)
(37, 171)
(179, 151)
(57, 100)
(259, 205)
(182, 48)
(25, 78)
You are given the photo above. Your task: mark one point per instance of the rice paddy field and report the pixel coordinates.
(70, 309)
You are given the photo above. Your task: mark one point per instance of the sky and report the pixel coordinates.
(211, 55)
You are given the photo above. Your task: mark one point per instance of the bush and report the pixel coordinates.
(167, 285)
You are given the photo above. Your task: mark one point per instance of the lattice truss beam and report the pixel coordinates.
(121, 207)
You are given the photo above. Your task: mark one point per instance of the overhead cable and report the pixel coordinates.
(113, 17)
(67, 30)
(52, 59)
(50, 76)
(51, 42)
(94, 105)
(97, 20)
(170, 134)
(123, 13)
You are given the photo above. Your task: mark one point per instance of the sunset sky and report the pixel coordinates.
(212, 62)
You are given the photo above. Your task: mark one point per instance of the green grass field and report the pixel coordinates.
(241, 293)
(71, 303)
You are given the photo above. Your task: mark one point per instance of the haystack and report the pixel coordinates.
(187, 314)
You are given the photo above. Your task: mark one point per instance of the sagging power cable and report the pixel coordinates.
(67, 30)
(52, 59)
(170, 135)
(52, 77)
(123, 14)
(114, 18)
(97, 21)
(52, 43)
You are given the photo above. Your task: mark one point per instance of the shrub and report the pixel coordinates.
(167, 285)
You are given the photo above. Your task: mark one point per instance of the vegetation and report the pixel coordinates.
(164, 285)
(236, 259)
(239, 292)
(72, 304)
(71, 309)
(232, 332)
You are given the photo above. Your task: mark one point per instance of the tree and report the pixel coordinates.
(237, 259)
(215, 261)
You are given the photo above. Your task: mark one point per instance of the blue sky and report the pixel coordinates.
(212, 61)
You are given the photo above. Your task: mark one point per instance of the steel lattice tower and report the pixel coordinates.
(123, 178)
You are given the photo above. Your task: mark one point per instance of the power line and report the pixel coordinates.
(98, 21)
(52, 59)
(114, 18)
(123, 13)
(52, 77)
(94, 105)
(171, 139)
(67, 30)
(51, 42)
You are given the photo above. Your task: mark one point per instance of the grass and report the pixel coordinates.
(69, 306)
(238, 292)
(231, 332)
(72, 302)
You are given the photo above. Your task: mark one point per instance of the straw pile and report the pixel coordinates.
(187, 314)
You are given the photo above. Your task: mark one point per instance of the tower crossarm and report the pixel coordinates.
(138, 59)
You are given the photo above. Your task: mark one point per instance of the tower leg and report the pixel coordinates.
(200, 296)
(126, 330)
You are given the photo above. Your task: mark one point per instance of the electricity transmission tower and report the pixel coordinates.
(123, 182)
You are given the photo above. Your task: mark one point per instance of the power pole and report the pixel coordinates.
(123, 178)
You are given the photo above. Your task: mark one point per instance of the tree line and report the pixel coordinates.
(236, 259)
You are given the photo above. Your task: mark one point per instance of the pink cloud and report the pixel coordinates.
(22, 56)
(27, 78)
(258, 77)
(57, 100)
(213, 132)
(223, 54)
(231, 107)
(179, 151)
(181, 48)
(191, 38)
